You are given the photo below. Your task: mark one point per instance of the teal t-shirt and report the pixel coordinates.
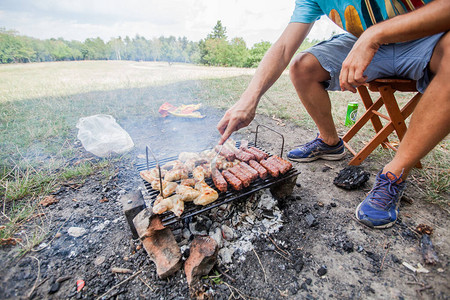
(354, 16)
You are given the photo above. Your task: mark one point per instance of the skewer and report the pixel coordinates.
(157, 165)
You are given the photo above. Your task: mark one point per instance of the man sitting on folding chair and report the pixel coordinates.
(386, 40)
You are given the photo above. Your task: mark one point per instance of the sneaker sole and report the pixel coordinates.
(325, 157)
(388, 225)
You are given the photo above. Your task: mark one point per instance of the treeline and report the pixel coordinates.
(214, 50)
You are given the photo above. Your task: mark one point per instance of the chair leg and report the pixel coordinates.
(405, 112)
(387, 93)
(367, 101)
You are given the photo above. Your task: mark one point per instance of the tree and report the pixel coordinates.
(219, 32)
(238, 52)
(256, 54)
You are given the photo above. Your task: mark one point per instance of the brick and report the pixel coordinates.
(202, 258)
(132, 204)
(159, 242)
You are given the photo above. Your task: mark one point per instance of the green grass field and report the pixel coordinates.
(40, 104)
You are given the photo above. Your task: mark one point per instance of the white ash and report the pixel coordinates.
(237, 225)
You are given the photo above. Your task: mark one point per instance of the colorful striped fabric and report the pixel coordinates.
(353, 16)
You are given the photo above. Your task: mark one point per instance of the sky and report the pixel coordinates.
(253, 20)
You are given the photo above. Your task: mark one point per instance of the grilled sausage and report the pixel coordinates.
(264, 154)
(271, 168)
(244, 156)
(249, 169)
(262, 172)
(219, 181)
(280, 164)
(230, 156)
(236, 171)
(259, 156)
(235, 183)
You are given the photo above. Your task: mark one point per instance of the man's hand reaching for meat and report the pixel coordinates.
(238, 116)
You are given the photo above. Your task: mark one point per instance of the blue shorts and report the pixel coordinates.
(405, 60)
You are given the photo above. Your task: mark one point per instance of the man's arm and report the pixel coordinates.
(269, 70)
(425, 21)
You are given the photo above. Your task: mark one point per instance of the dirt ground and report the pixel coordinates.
(360, 263)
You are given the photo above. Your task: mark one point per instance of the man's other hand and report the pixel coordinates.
(356, 62)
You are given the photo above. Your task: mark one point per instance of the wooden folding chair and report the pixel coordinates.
(395, 120)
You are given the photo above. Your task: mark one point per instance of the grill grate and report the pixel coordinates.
(191, 209)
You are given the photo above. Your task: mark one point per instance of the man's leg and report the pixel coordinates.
(307, 76)
(430, 122)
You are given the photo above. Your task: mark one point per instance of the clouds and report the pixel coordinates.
(254, 20)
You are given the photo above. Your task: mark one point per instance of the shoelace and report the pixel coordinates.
(385, 190)
(306, 146)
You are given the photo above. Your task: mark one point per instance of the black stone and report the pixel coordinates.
(326, 168)
(308, 281)
(395, 259)
(304, 287)
(348, 246)
(54, 288)
(322, 270)
(311, 220)
(333, 204)
(369, 289)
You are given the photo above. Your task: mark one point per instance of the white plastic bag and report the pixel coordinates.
(101, 135)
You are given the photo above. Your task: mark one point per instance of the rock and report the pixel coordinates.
(226, 254)
(347, 246)
(322, 270)
(76, 231)
(293, 288)
(395, 259)
(298, 265)
(99, 260)
(227, 233)
(186, 234)
(308, 281)
(333, 204)
(351, 178)
(159, 242)
(202, 258)
(311, 220)
(217, 236)
(54, 287)
(121, 270)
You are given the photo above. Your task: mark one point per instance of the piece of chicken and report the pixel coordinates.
(199, 174)
(151, 175)
(188, 182)
(172, 203)
(173, 165)
(207, 194)
(176, 174)
(168, 187)
(187, 193)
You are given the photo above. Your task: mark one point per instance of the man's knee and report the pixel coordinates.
(306, 67)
